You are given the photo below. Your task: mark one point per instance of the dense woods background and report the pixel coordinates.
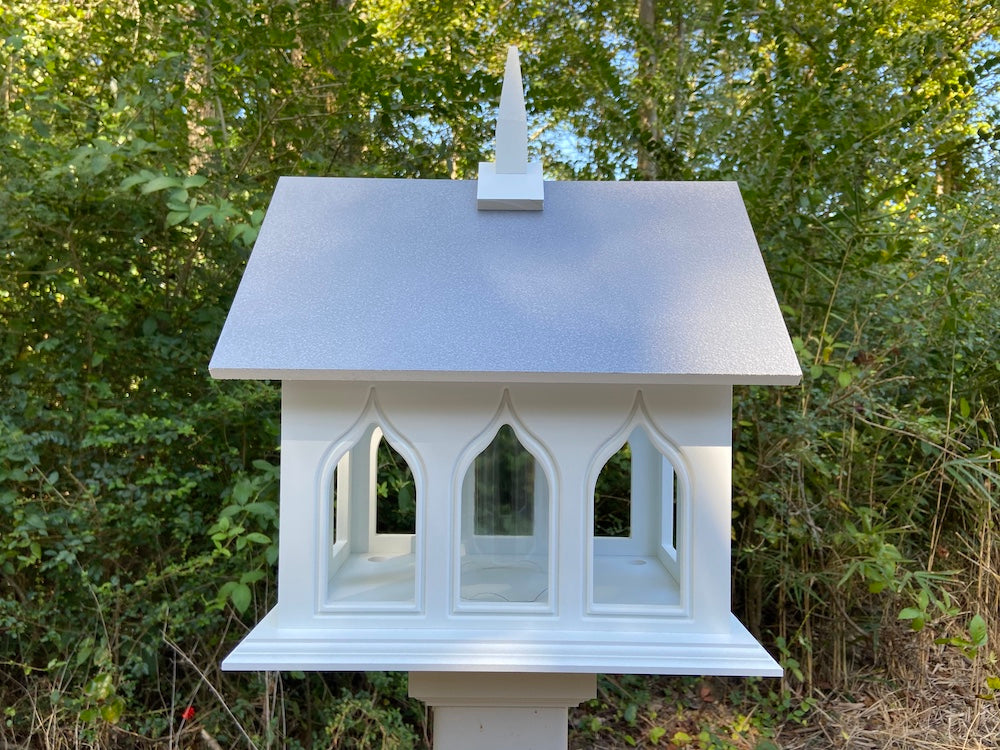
(139, 144)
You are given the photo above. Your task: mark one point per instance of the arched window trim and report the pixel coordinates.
(367, 431)
(676, 561)
(505, 415)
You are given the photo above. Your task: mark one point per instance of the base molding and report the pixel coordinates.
(419, 649)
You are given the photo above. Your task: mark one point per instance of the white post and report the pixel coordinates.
(501, 710)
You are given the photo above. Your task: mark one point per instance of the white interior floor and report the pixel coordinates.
(633, 580)
(505, 578)
(375, 578)
(628, 580)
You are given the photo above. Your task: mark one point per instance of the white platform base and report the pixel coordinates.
(501, 711)
(510, 192)
(415, 648)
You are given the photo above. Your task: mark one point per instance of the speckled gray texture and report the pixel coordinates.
(405, 279)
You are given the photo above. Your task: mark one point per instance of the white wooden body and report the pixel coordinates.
(395, 602)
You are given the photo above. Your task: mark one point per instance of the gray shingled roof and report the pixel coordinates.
(404, 279)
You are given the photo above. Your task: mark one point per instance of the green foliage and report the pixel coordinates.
(139, 144)
(613, 495)
(683, 712)
(248, 528)
(358, 721)
(974, 640)
(396, 511)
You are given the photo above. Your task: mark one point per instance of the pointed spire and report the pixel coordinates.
(512, 183)
(512, 120)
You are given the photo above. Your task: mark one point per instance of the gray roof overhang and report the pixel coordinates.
(393, 279)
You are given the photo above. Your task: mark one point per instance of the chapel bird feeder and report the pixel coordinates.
(491, 347)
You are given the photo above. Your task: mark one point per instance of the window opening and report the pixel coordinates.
(670, 499)
(372, 541)
(505, 526)
(396, 508)
(613, 496)
(635, 519)
(334, 507)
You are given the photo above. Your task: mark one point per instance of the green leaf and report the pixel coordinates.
(85, 651)
(99, 163)
(176, 217)
(242, 490)
(112, 711)
(264, 510)
(964, 409)
(844, 378)
(40, 127)
(978, 631)
(240, 596)
(136, 179)
(101, 687)
(163, 182)
(202, 212)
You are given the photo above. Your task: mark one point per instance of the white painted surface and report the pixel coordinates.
(374, 578)
(510, 646)
(511, 183)
(515, 191)
(501, 711)
(559, 604)
(512, 120)
(634, 582)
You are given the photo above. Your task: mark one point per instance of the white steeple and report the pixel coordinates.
(512, 183)
(512, 120)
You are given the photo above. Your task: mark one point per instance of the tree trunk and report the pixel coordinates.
(649, 127)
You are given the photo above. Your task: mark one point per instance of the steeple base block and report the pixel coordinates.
(512, 191)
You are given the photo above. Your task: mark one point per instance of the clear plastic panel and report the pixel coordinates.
(505, 512)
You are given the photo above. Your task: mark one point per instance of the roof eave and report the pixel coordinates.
(458, 376)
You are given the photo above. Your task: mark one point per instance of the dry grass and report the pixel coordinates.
(935, 706)
(936, 710)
